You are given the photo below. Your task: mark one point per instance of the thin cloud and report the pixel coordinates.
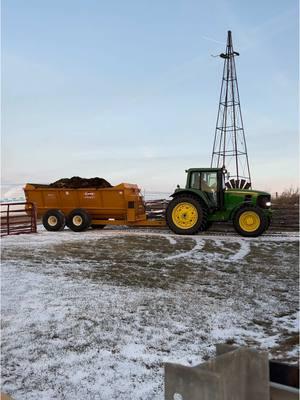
(213, 40)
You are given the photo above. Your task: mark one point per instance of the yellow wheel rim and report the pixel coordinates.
(77, 220)
(249, 221)
(184, 215)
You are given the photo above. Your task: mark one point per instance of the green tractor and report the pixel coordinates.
(206, 199)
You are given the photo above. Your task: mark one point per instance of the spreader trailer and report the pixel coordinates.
(82, 208)
(204, 200)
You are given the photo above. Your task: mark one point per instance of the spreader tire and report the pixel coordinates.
(54, 220)
(250, 221)
(95, 226)
(78, 220)
(185, 215)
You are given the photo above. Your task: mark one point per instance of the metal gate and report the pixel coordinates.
(18, 218)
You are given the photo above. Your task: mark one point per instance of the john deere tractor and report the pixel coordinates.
(206, 199)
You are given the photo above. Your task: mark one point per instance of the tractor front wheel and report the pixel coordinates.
(250, 221)
(268, 223)
(185, 215)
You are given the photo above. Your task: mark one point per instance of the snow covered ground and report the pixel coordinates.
(95, 315)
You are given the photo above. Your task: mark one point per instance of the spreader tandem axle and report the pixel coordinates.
(204, 200)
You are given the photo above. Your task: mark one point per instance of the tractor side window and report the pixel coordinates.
(195, 180)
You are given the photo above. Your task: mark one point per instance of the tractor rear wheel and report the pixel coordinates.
(54, 220)
(185, 215)
(207, 226)
(78, 220)
(250, 221)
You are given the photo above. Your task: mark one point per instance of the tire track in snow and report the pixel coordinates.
(243, 251)
(171, 239)
(198, 246)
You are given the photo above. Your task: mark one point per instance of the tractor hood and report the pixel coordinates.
(247, 191)
(235, 197)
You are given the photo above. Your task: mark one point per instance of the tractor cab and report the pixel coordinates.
(210, 181)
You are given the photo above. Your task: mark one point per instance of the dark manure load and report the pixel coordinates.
(77, 183)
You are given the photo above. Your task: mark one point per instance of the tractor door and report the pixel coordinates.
(209, 185)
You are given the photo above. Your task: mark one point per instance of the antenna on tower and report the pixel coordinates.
(229, 149)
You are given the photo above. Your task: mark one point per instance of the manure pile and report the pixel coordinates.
(76, 182)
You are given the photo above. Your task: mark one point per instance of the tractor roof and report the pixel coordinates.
(204, 169)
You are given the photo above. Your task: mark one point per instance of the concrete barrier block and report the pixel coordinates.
(189, 383)
(238, 374)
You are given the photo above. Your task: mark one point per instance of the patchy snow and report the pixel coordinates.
(188, 254)
(171, 238)
(243, 251)
(95, 315)
(290, 321)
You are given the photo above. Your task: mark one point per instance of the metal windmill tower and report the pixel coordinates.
(230, 150)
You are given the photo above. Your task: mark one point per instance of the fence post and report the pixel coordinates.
(34, 217)
(7, 219)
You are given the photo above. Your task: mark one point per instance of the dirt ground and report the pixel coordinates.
(95, 315)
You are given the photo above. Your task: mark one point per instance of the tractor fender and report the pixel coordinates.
(236, 209)
(195, 193)
(267, 212)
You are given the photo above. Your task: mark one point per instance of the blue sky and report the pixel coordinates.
(128, 90)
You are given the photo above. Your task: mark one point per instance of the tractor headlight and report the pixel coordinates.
(264, 201)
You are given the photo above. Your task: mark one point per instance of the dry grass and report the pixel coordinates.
(288, 197)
